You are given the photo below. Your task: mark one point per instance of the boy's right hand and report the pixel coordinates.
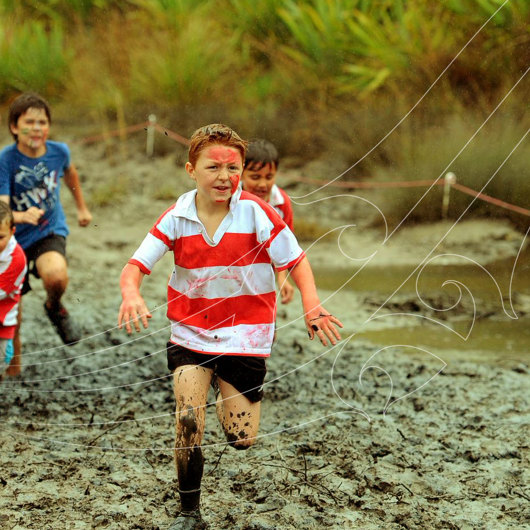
(31, 216)
(133, 309)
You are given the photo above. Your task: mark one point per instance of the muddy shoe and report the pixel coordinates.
(64, 324)
(188, 521)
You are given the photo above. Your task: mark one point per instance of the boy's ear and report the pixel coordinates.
(13, 230)
(13, 128)
(190, 170)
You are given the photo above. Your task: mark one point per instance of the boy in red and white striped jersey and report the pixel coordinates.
(259, 178)
(12, 274)
(221, 300)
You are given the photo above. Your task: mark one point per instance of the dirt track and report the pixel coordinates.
(87, 431)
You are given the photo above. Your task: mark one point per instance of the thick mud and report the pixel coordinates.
(355, 436)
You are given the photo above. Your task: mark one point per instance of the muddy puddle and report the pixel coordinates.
(412, 306)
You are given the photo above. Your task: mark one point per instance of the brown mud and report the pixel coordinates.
(355, 436)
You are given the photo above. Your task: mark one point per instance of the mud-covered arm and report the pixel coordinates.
(133, 308)
(318, 320)
(71, 179)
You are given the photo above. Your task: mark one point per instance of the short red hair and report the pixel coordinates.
(215, 133)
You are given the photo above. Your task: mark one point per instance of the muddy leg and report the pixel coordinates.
(238, 416)
(52, 269)
(190, 384)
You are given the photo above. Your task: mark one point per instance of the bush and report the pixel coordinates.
(33, 59)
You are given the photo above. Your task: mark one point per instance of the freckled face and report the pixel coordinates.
(32, 129)
(216, 173)
(5, 235)
(259, 181)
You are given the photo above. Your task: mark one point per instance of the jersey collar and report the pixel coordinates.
(185, 206)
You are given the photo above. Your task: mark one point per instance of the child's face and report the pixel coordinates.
(32, 129)
(216, 174)
(259, 181)
(5, 234)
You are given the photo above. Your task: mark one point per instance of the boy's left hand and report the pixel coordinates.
(84, 217)
(320, 323)
(286, 292)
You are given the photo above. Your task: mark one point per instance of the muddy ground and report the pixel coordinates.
(86, 431)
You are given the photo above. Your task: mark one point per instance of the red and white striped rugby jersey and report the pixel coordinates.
(12, 273)
(221, 294)
(281, 202)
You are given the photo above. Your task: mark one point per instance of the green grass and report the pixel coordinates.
(181, 50)
(33, 57)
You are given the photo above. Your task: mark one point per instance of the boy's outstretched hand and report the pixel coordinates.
(320, 323)
(133, 306)
(133, 309)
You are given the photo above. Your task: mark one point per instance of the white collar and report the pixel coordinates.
(185, 206)
(276, 197)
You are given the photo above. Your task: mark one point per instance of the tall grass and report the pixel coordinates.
(485, 163)
(323, 49)
(33, 57)
(199, 64)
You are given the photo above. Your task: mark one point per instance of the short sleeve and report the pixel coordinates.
(12, 277)
(284, 250)
(156, 243)
(66, 151)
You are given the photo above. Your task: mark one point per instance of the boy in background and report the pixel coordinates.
(12, 273)
(259, 178)
(221, 301)
(30, 174)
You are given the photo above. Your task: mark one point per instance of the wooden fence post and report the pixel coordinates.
(150, 143)
(449, 180)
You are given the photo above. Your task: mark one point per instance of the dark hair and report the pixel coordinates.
(215, 133)
(28, 100)
(260, 153)
(6, 214)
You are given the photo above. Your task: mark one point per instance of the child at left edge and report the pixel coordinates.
(221, 301)
(31, 171)
(12, 273)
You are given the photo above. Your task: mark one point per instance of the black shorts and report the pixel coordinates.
(245, 374)
(46, 244)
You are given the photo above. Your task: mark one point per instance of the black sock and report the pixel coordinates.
(190, 465)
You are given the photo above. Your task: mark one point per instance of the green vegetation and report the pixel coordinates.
(318, 77)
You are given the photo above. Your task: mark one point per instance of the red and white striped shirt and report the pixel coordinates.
(221, 294)
(281, 202)
(12, 273)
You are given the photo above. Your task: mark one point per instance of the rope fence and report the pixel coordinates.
(448, 182)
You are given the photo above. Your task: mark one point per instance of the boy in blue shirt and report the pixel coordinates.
(30, 173)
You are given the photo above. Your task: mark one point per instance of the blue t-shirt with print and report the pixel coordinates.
(35, 182)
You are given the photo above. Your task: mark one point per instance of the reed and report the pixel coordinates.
(33, 57)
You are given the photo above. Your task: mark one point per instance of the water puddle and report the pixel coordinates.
(495, 336)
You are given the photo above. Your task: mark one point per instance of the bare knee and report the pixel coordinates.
(55, 281)
(52, 268)
(188, 424)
